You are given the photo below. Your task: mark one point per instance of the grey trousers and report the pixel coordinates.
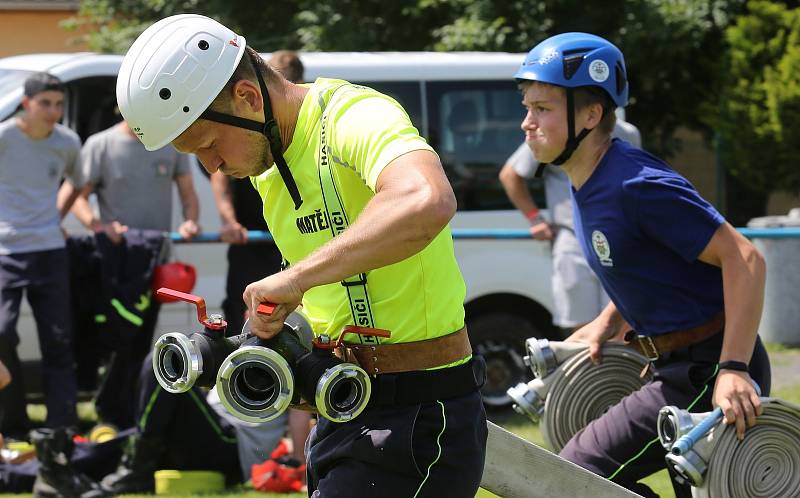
(623, 446)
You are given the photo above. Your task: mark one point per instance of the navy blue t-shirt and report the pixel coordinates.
(642, 226)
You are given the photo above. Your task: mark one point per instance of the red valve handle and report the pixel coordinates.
(198, 301)
(266, 308)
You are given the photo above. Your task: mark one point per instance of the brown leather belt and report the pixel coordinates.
(654, 347)
(408, 356)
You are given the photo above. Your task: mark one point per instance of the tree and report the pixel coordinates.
(672, 47)
(115, 24)
(757, 110)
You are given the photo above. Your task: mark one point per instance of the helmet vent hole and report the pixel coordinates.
(164, 93)
(186, 108)
(202, 45)
(621, 79)
(571, 64)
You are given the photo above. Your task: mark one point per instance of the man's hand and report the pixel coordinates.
(5, 376)
(598, 331)
(113, 230)
(735, 394)
(280, 289)
(541, 230)
(189, 229)
(233, 233)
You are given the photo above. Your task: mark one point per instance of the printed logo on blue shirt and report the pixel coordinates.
(601, 248)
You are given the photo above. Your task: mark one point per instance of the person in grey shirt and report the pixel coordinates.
(36, 152)
(578, 296)
(133, 187)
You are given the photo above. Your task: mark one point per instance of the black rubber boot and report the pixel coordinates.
(56, 477)
(135, 473)
(14, 422)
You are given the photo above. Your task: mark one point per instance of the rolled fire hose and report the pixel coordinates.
(764, 464)
(574, 391)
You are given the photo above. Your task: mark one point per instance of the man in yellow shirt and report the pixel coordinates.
(359, 206)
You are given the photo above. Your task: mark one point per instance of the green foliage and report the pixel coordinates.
(757, 112)
(718, 66)
(113, 25)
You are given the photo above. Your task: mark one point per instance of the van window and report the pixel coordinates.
(474, 125)
(409, 96)
(91, 106)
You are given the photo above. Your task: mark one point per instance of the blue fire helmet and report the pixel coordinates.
(573, 60)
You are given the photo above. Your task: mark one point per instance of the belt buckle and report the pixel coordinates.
(648, 347)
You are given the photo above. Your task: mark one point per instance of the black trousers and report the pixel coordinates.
(195, 437)
(115, 397)
(43, 276)
(246, 264)
(623, 446)
(426, 450)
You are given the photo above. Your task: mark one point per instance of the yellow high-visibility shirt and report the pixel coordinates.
(421, 297)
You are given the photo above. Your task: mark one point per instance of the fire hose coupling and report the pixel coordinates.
(718, 464)
(544, 357)
(529, 398)
(339, 390)
(674, 423)
(688, 468)
(256, 382)
(257, 385)
(181, 361)
(570, 391)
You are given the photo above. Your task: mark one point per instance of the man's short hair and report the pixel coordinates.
(288, 64)
(42, 82)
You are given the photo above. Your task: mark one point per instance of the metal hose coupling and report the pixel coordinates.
(256, 382)
(181, 361)
(529, 399)
(764, 464)
(340, 391)
(576, 392)
(544, 357)
(673, 423)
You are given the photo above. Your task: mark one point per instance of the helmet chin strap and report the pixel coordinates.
(572, 141)
(269, 128)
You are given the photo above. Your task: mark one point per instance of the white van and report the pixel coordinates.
(466, 105)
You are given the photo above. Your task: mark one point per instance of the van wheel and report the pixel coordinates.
(500, 339)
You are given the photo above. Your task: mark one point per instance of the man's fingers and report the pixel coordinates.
(595, 353)
(735, 415)
(756, 401)
(749, 412)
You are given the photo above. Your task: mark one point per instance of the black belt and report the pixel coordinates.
(411, 388)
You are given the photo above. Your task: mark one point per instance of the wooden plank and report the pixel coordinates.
(516, 468)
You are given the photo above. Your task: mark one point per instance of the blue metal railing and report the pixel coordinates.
(498, 233)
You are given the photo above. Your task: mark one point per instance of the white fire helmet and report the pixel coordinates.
(172, 73)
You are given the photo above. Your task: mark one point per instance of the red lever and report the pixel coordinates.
(266, 308)
(198, 301)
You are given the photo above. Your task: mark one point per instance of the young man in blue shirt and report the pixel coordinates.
(680, 276)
